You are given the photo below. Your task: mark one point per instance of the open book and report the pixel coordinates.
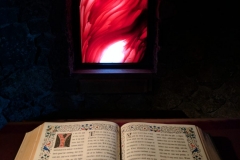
(101, 140)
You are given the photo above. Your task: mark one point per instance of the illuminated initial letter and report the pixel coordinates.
(63, 138)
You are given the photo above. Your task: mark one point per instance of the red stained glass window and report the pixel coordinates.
(113, 31)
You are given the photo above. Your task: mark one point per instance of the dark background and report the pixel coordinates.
(198, 66)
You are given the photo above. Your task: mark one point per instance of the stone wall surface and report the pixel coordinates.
(198, 69)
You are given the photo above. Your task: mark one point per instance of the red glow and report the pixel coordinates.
(118, 27)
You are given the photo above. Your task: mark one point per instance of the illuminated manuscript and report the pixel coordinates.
(102, 140)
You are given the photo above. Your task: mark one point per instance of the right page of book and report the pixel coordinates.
(150, 141)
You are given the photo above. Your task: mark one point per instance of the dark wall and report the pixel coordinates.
(198, 69)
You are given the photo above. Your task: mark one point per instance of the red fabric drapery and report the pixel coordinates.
(106, 23)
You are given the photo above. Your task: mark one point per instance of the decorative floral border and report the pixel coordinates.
(51, 131)
(188, 131)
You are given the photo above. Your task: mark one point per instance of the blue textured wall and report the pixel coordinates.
(198, 70)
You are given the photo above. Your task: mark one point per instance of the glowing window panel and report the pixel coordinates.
(113, 31)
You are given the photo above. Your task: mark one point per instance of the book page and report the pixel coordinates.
(89, 140)
(208, 145)
(149, 141)
(29, 144)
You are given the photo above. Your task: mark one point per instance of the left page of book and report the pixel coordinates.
(86, 140)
